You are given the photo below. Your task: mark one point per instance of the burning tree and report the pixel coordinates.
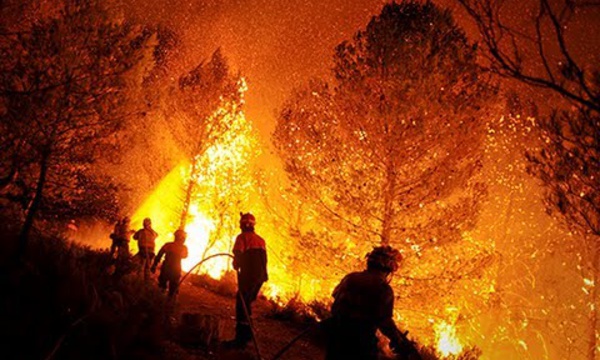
(223, 180)
(205, 96)
(192, 146)
(567, 162)
(388, 151)
(62, 96)
(214, 184)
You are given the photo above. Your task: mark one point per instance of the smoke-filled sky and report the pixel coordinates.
(279, 45)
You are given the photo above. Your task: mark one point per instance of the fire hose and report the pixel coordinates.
(201, 262)
(284, 349)
(238, 294)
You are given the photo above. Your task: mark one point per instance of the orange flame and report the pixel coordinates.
(206, 233)
(220, 181)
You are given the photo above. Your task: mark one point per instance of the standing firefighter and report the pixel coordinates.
(119, 249)
(146, 238)
(120, 236)
(170, 271)
(250, 260)
(364, 303)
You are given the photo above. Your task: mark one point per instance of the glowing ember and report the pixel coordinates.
(446, 340)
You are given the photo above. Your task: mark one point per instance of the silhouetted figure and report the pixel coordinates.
(364, 303)
(120, 236)
(146, 238)
(250, 260)
(170, 271)
(119, 249)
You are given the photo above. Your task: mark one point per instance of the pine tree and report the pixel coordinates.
(388, 150)
(63, 95)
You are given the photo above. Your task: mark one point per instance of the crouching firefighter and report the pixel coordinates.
(364, 303)
(170, 271)
(250, 261)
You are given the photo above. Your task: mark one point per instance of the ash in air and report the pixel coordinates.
(426, 169)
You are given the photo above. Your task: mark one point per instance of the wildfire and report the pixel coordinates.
(447, 342)
(198, 240)
(219, 194)
(222, 189)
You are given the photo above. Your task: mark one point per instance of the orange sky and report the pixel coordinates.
(279, 45)
(276, 46)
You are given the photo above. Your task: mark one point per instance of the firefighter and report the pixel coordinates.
(146, 238)
(120, 236)
(250, 261)
(170, 271)
(364, 303)
(119, 249)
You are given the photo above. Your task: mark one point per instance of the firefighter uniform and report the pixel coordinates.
(120, 239)
(146, 238)
(170, 271)
(364, 303)
(250, 259)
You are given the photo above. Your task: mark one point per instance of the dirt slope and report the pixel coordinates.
(272, 334)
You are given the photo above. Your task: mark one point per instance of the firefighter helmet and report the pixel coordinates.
(384, 258)
(180, 235)
(247, 220)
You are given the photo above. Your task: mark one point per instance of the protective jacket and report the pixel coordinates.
(174, 253)
(364, 302)
(146, 238)
(250, 258)
(122, 232)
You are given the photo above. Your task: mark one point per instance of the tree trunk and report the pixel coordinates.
(386, 231)
(388, 206)
(33, 208)
(188, 196)
(593, 315)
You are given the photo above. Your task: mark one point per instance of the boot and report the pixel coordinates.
(243, 335)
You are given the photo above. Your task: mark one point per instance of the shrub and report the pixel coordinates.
(226, 286)
(61, 302)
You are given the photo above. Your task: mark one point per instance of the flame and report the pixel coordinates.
(212, 230)
(447, 342)
(200, 226)
(221, 164)
(199, 230)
